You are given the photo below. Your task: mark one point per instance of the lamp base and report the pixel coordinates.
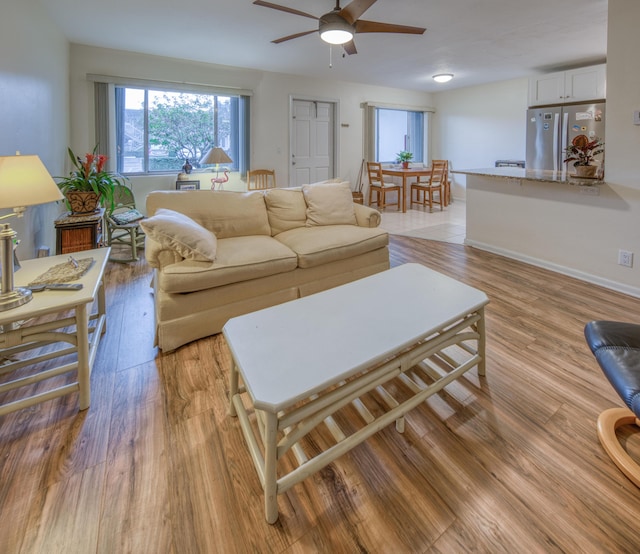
(14, 298)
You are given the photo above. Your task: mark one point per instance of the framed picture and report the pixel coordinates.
(187, 185)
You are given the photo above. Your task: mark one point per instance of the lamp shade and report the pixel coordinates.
(25, 181)
(216, 155)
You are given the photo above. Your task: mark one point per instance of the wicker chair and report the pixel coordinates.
(123, 224)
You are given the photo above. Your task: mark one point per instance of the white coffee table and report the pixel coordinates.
(302, 361)
(69, 324)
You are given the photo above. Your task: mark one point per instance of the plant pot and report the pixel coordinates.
(82, 203)
(586, 170)
(405, 165)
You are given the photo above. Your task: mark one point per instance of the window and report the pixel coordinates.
(156, 131)
(398, 130)
(391, 129)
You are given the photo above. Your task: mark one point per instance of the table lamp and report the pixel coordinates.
(24, 181)
(217, 155)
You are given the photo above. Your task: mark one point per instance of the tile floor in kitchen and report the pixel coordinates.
(448, 225)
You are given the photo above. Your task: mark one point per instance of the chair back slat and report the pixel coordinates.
(438, 172)
(374, 170)
(260, 179)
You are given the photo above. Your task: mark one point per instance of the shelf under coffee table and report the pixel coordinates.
(399, 336)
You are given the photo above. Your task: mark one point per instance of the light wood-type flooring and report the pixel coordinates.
(505, 463)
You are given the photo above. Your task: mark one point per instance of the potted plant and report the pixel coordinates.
(582, 152)
(89, 184)
(404, 157)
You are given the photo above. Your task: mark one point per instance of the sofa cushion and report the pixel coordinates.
(225, 213)
(179, 232)
(329, 204)
(286, 209)
(237, 259)
(324, 244)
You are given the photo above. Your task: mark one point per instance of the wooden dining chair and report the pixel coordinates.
(426, 190)
(377, 185)
(260, 179)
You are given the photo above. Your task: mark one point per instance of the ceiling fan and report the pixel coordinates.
(340, 24)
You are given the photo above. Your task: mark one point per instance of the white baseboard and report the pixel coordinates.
(594, 279)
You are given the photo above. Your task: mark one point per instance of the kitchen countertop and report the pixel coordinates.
(530, 175)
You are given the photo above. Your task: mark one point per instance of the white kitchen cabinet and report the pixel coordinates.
(575, 85)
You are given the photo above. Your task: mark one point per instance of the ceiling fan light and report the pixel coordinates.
(334, 29)
(443, 77)
(336, 36)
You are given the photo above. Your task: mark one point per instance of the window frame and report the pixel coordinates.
(106, 114)
(371, 126)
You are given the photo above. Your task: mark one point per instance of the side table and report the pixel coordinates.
(78, 232)
(76, 329)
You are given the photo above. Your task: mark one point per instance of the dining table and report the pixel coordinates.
(405, 174)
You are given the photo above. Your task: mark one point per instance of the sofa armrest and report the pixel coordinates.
(159, 256)
(366, 216)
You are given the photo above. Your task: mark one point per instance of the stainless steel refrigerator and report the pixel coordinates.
(550, 129)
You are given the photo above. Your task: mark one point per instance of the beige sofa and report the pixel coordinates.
(239, 252)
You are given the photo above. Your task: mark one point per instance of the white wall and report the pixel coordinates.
(556, 226)
(269, 106)
(475, 126)
(34, 89)
(623, 94)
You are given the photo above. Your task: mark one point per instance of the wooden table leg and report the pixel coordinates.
(404, 194)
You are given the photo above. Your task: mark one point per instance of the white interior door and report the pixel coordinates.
(312, 141)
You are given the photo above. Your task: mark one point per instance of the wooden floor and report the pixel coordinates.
(506, 463)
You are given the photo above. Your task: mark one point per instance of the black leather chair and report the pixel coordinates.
(616, 347)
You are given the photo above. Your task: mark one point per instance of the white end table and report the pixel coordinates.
(303, 361)
(79, 333)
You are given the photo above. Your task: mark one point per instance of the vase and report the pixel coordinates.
(586, 170)
(405, 165)
(82, 203)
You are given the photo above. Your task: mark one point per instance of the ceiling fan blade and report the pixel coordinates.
(350, 47)
(352, 11)
(363, 26)
(290, 37)
(283, 9)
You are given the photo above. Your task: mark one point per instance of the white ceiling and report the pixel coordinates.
(479, 41)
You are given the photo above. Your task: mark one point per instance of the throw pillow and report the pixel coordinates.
(286, 209)
(179, 232)
(329, 204)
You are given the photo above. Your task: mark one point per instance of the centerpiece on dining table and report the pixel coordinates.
(404, 158)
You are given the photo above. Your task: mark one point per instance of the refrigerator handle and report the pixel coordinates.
(556, 138)
(565, 133)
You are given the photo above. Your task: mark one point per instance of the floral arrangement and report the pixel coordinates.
(89, 175)
(582, 151)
